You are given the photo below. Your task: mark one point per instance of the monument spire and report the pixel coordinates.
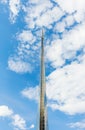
(43, 113)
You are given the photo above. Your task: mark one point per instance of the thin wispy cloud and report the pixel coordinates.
(78, 125)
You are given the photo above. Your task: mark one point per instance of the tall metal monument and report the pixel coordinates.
(43, 112)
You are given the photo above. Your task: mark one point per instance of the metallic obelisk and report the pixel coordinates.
(43, 113)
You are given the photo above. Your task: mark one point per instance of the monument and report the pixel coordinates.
(43, 124)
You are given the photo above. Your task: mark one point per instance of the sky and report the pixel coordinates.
(21, 23)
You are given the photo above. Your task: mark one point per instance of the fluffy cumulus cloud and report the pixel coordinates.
(68, 48)
(65, 86)
(73, 6)
(48, 14)
(19, 66)
(26, 36)
(5, 111)
(16, 120)
(65, 25)
(44, 16)
(14, 6)
(49, 17)
(31, 93)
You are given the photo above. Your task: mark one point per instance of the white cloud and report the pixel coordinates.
(54, 53)
(35, 13)
(49, 14)
(66, 5)
(19, 66)
(5, 111)
(65, 86)
(18, 122)
(26, 36)
(69, 20)
(78, 125)
(37, 17)
(49, 17)
(31, 93)
(34, 1)
(73, 6)
(32, 126)
(14, 6)
(45, 16)
(66, 48)
(60, 27)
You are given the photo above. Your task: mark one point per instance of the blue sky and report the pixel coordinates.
(21, 23)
